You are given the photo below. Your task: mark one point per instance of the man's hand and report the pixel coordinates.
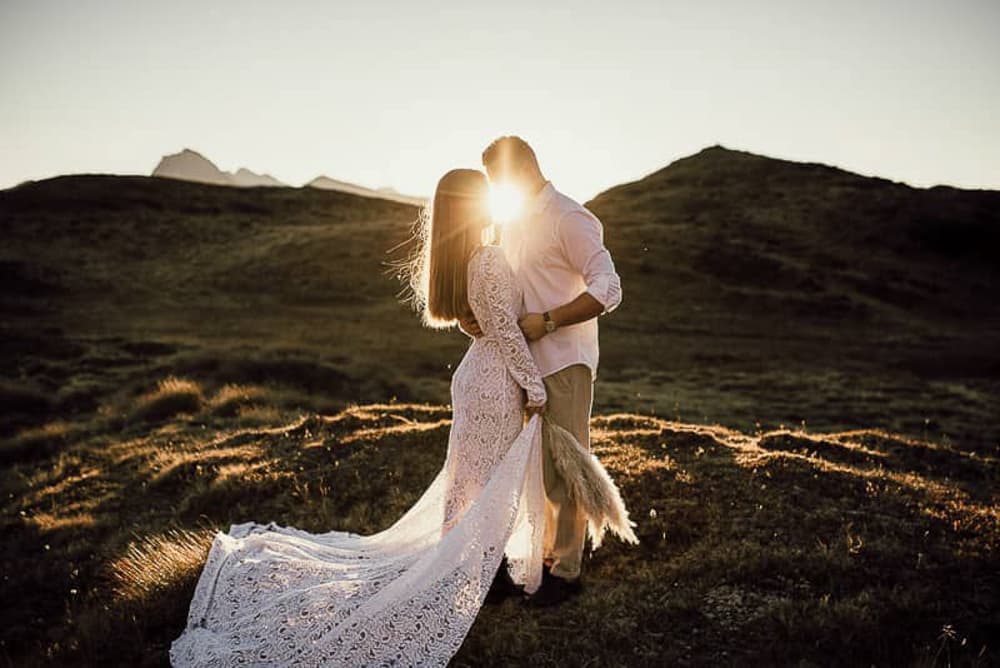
(530, 410)
(470, 327)
(533, 326)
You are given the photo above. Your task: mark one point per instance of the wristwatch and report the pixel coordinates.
(550, 324)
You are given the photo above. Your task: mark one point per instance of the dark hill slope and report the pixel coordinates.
(130, 237)
(747, 277)
(756, 291)
(748, 238)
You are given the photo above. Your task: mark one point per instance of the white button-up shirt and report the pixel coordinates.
(556, 249)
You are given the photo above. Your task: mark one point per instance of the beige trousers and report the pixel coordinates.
(570, 397)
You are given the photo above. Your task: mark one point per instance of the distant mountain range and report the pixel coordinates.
(326, 183)
(190, 165)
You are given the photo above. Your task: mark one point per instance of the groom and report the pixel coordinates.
(556, 248)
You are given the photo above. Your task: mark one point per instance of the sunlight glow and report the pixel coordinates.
(505, 203)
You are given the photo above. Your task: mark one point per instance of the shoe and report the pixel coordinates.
(502, 586)
(554, 590)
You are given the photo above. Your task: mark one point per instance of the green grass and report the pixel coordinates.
(780, 548)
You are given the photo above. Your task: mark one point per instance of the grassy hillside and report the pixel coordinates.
(854, 548)
(112, 283)
(758, 293)
(762, 290)
(799, 396)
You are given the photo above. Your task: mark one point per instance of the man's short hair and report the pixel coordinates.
(509, 151)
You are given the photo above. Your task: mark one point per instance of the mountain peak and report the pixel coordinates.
(720, 152)
(247, 178)
(190, 165)
(718, 163)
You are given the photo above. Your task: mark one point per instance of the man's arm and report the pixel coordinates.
(582, 240)
(581, 309)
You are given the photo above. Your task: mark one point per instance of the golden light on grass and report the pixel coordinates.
(49, 522)
(36, 442)
(243, 471)
(49, 486)
(406, 428)
(165, 464)
(716, 507)
(254, 414)
(155, 563)
(172, 396)
(55, 429)
(232, 398)
(506, 202)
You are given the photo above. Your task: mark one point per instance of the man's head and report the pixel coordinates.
(510, 159)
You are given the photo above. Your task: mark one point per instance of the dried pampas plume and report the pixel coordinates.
(588, 483)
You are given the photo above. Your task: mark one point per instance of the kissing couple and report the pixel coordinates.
(519, 491)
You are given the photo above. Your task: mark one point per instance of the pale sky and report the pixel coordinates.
(396, 94)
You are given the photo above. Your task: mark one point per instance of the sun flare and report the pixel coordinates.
(505, 203)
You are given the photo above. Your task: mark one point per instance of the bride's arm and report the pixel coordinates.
(491, 294)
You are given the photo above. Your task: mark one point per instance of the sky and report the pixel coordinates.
(397, 93)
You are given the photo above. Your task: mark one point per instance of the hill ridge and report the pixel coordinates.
(717, 154)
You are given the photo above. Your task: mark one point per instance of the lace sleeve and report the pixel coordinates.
(491, 296)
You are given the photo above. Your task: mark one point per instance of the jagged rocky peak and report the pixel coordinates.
(190, 165)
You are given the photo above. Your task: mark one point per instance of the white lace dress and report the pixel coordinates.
(274, 595)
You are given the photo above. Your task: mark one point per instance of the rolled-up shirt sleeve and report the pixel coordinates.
(582, 240)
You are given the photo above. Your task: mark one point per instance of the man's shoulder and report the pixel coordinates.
(565, 206)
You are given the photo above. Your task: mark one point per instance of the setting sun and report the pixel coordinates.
(505, 203)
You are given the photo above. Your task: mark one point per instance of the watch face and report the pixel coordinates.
(550, 326)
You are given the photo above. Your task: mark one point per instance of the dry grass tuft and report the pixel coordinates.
(171, 397)
(232, 398)
(153, 564)
(259, 415)
(47, 522)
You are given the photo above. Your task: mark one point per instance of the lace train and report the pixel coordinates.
(274, 595)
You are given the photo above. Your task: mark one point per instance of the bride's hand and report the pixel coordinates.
(469, 326)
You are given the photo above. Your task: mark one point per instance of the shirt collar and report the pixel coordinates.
(537, 204)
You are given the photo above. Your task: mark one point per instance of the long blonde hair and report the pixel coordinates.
(447, 234)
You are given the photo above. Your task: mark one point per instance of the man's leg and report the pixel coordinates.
(570, 396)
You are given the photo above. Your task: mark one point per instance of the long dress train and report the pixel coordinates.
(275, 595)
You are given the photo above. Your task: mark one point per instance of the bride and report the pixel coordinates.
(275, 595)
